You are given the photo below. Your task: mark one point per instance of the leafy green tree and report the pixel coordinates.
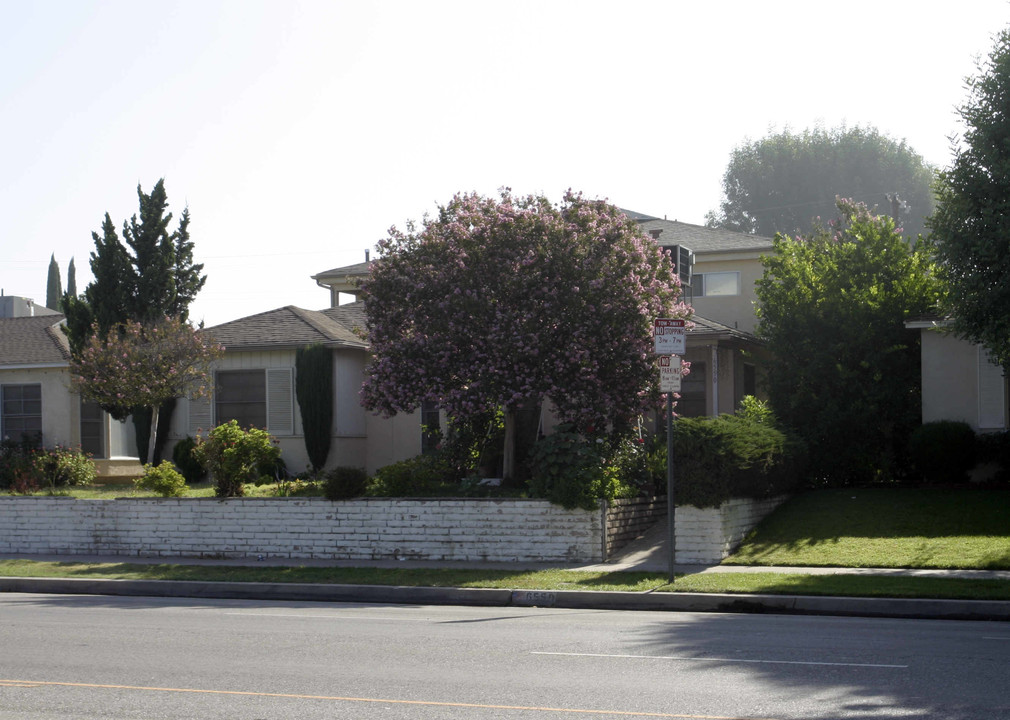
(147, 278)
(971, 226)
(143, 366)
(784, 182)
(314, 389)
(845, 374)
(54, 288)
(501, 303)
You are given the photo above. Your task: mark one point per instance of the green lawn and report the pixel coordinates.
(855, 528)
(900, 527)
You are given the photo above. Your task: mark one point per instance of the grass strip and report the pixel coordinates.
(745, 583)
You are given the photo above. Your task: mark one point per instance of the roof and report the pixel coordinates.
(286, 327)
(699, 238)
(33, 341)
(345, 271)
(705, 329)
(350, 315)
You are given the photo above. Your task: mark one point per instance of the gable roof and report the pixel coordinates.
(33, 341)
(699, 238)
(285, 328)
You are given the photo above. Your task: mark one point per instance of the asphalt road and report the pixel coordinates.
(72, 657)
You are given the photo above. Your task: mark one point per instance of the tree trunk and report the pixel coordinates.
(509, 451)
(152, 439)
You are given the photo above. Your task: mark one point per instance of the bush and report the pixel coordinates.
(943, 451)
(235, 456)
(575, 472)
(17, 464)
(189, 466)
(417, 476)
(60, 467)
(342, 483)
(163, 479)
(995, 448)
(719, 458)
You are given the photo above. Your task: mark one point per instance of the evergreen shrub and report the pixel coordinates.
(163, 479)
(943, 451)
(342, 483)
(189, 466)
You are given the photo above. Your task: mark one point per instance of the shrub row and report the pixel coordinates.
(25, 468)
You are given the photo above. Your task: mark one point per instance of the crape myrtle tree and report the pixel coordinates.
(147, 278)
(971, 226)
(143, 366)
(498, 303)
(786, 181)
(846, 371)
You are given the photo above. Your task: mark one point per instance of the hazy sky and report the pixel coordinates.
(298, 132)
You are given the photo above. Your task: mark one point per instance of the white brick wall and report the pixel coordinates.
(436, 529)
(709, 535)
(365, 529)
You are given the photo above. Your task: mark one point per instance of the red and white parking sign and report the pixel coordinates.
(669, 374)
(670, 336)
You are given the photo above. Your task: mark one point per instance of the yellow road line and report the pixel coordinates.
(617, 713)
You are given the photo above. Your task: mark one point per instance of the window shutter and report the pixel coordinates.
(280, 404)
(990, 392)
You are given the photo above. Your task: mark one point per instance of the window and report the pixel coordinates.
(22, 413)
(253, 398)
(716, 283)
(241, 395)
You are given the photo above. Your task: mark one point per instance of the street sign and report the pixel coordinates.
(669, 374)
(670, 336)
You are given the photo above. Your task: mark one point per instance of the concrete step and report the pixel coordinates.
(118, 470)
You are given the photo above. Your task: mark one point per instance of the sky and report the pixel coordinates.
(297, 133)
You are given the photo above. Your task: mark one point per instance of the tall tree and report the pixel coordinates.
(785, 182)
(149, 277)
(72, 278)
(54, 288)
(500, 303)
(845, 374)
(971, 226)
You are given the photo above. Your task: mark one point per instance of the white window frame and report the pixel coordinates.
(699, 284)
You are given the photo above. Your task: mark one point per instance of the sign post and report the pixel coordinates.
(670, 341)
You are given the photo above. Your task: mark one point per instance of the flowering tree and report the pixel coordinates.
(503, 302)
(143, 366)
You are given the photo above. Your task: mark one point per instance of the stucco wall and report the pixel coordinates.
(60, 407)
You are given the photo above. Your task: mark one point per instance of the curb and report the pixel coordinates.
(481, 597)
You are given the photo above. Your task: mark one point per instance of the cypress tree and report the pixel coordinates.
(314, 389)
(72, 279)
(54, 289)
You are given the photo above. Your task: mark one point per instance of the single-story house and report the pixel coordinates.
(36, 399)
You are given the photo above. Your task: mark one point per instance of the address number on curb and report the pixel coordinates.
(534, 598)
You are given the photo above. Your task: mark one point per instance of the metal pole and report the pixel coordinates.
(670, 503)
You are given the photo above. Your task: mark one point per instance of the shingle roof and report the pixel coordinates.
(350, 315)
(285, 327)
(710, 329)
(352, 270)
(33, 341)
(699, 238)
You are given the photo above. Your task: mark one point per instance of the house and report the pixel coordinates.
(254, 383)
(724, 353)
(959, 381)
(38, 403)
